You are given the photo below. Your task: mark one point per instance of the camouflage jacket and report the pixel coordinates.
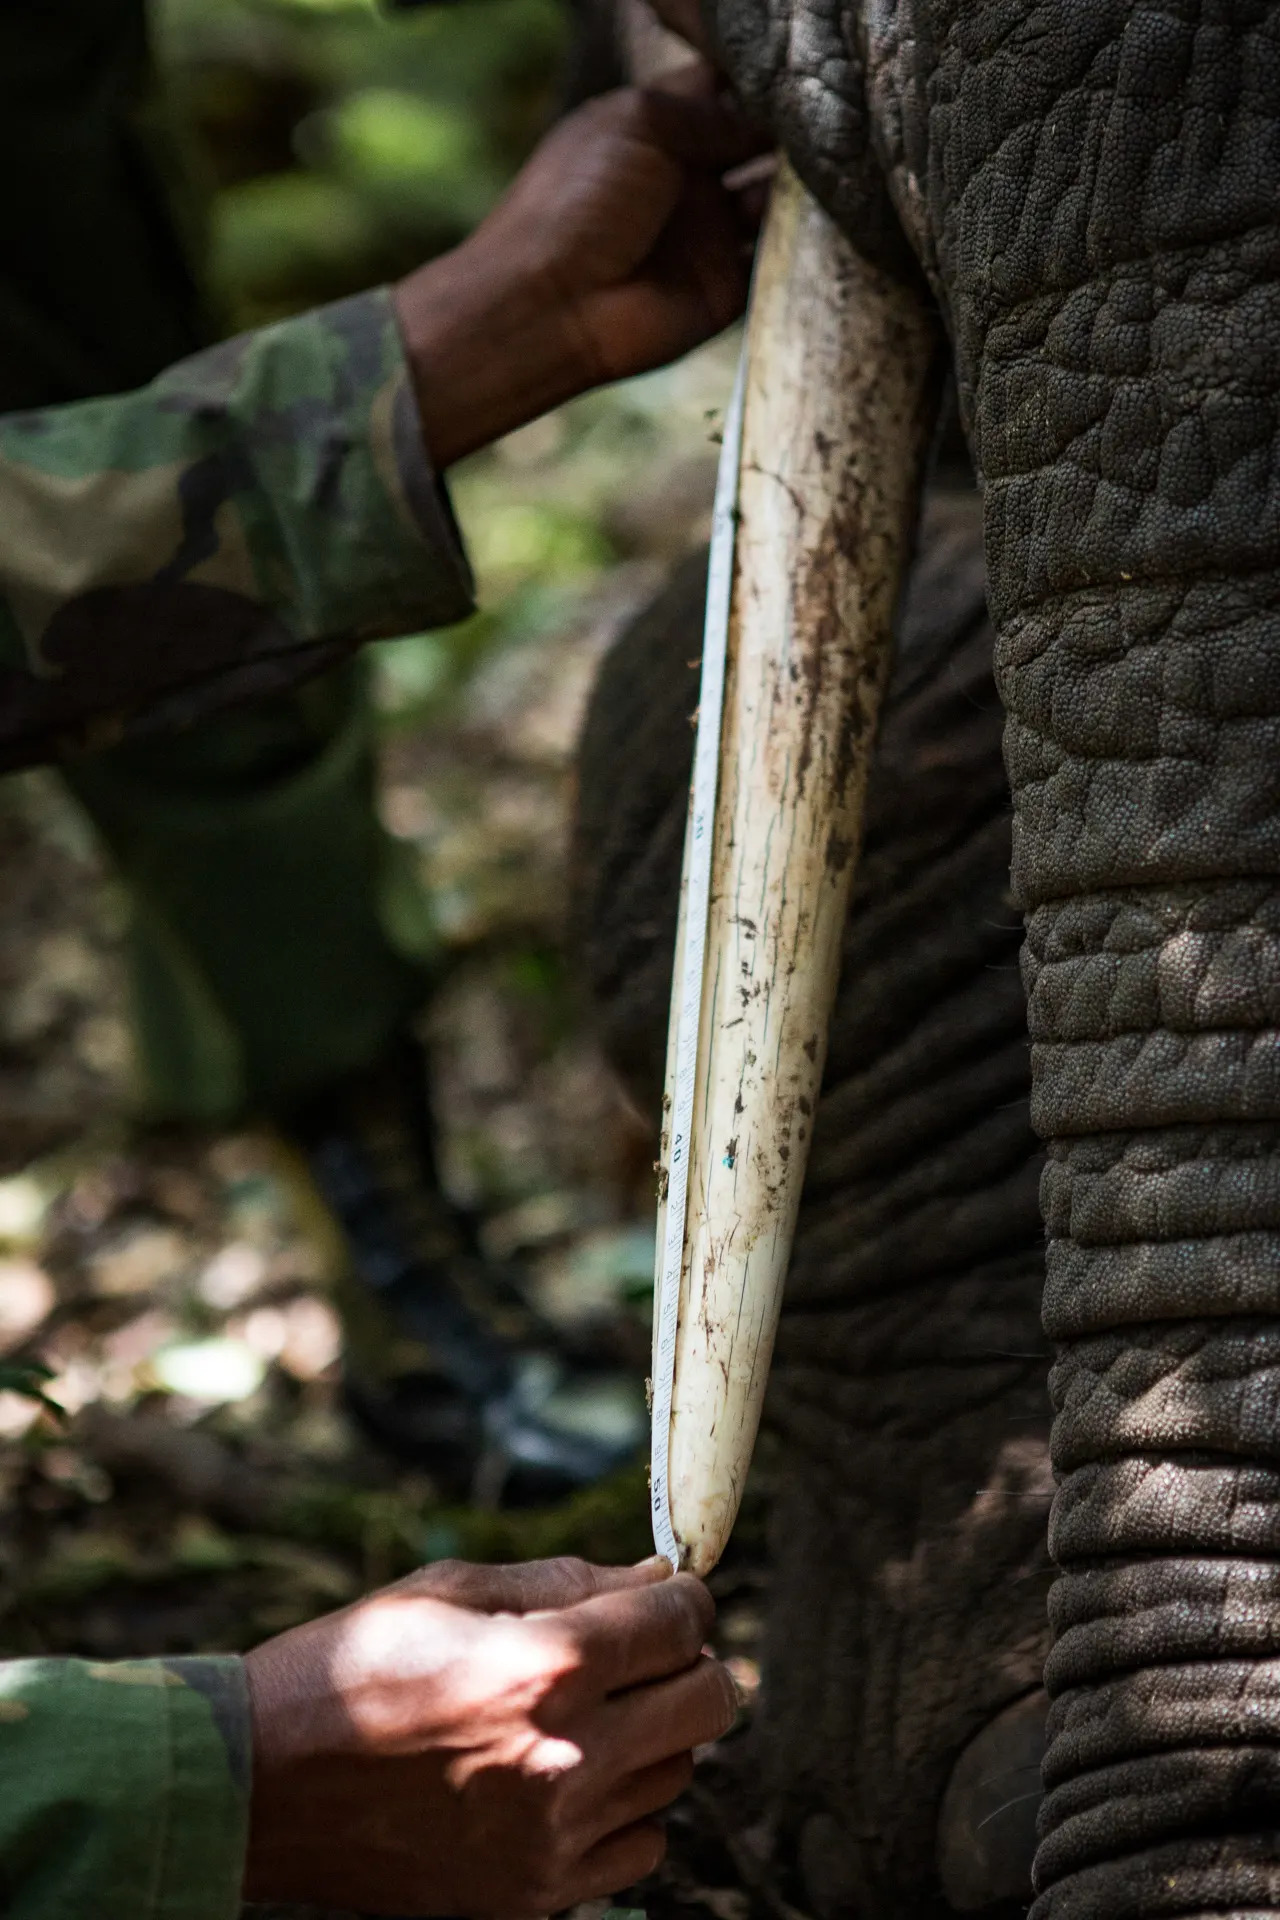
(248, 516)
(124, 1789)
(257, 510)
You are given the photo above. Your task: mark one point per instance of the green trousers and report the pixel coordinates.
(276, 935)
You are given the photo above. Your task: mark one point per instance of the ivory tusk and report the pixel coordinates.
(839, 397)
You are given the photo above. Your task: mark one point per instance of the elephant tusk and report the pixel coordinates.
(837, 406)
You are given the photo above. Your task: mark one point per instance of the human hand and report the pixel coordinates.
(480, 1741)
(617, 249)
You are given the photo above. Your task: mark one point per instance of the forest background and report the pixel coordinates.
(199, 1485)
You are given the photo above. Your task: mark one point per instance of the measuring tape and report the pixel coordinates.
(687, 996)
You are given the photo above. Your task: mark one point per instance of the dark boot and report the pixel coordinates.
(446, 1364)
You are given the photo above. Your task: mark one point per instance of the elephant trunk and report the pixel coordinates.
(1127, 428)
(1091, 186)
(1162, 1771)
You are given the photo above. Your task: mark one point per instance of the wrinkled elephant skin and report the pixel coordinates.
(1091, 189)
(907, 1401)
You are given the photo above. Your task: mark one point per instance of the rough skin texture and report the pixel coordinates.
(907, 1394)
(1091, 187)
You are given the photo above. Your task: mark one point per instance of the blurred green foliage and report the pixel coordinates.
(389, 1534)
(340, 143)
(343, 144)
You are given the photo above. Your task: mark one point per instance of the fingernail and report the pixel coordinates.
(652, 1564)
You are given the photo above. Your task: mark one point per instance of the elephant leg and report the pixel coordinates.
(1090, 187)
(899, 1735)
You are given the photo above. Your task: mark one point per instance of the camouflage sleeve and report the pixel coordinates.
(124, 1789)
(251, 515)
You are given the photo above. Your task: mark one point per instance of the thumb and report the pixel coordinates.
(626, 1639)
(688, 120)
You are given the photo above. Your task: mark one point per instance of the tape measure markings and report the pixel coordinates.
(689, 988)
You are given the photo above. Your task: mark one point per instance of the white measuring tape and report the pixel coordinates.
(687, 997)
